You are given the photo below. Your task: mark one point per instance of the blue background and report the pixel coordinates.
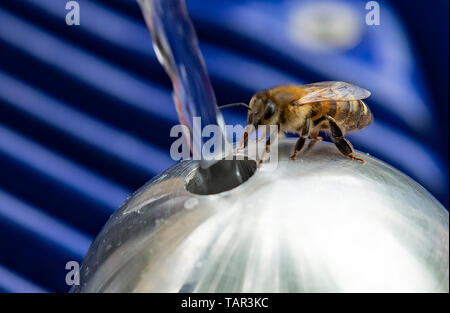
(85, 111)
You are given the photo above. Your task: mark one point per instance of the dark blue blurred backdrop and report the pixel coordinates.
(85, 111)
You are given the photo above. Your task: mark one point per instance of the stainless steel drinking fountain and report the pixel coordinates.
(322, 223)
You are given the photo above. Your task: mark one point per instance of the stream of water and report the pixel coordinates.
(176, 46)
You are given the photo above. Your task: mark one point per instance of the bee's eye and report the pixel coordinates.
(270, 110)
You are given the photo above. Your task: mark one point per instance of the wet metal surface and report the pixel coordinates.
(321, 223)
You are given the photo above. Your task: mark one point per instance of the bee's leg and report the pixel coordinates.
(249, 129)
(279, 133)
(264, 133)
(341, 143)
(316, 127)
(298, 146)
(315, 138)
(301, 141)
(244, 141)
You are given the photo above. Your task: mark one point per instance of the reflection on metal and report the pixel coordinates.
(321, 223)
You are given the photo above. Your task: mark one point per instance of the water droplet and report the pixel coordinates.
(190, 203)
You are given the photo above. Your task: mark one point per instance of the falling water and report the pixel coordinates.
(176, 46)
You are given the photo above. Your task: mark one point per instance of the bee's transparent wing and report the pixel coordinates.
(332, 90)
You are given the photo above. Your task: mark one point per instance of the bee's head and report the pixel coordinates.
(262, 110)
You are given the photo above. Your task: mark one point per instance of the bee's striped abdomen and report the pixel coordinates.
(351, 115)
(354, 115)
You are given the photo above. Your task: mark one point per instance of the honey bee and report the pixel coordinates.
(332, 106)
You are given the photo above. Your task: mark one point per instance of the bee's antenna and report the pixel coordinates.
(234, 105)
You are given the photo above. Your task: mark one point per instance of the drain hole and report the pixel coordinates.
(222, 176)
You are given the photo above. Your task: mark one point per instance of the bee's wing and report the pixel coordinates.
(332, 90)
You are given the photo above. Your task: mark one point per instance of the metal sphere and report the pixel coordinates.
(322, 223)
